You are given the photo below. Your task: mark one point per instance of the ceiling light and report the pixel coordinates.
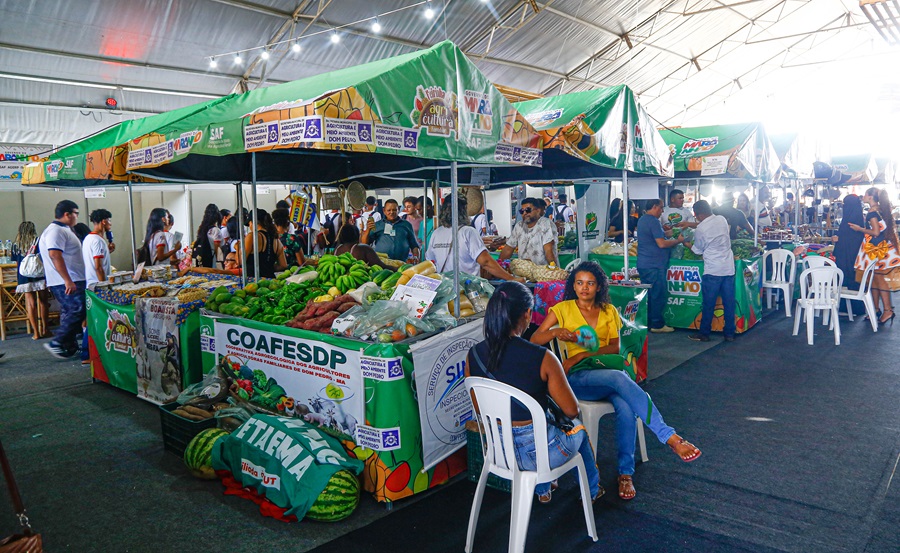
(237, 59)
(335, 38)
(429, 13)
(264, 55)
(212, 63)
(295, 47)
(376, 26)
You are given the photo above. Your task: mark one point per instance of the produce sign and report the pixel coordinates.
(318, 381)
(290, 462)
(684, 298)
(444, 404)
(389, 437)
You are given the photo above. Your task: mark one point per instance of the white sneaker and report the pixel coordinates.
(662, 329)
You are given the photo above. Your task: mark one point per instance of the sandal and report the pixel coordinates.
(547, 496)
(600, 493)
(688, 457)
(626, 487)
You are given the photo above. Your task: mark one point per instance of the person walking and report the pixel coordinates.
(95, 250)
(653, 260)
(712, 241)
(37, 300)
(64, 271)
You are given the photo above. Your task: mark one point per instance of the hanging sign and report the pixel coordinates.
(713, 165)
(94, 192)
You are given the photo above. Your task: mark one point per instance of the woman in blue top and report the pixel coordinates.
(507, 358)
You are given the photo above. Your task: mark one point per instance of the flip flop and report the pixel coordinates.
(626, 487)
(692, 457)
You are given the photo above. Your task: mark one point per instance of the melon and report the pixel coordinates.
(198, 455)
(338, 500)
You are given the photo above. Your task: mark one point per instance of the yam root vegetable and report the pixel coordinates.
(345, 298)
(325, 307)
(347, 306)
(220, 406)
(190, 416)
(197, 411)
(322, 322)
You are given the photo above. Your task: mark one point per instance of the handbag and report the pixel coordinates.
(31, 265)
(554, 413)
(28, 541)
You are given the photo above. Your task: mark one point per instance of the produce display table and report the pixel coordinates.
(363, 388)
(565, 257)
(116, 349)
(684, 297)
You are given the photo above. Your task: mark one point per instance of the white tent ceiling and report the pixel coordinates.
(686, 59)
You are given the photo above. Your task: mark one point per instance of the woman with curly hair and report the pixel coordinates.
(596, 375)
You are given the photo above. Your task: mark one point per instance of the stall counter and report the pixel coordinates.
(684, 297)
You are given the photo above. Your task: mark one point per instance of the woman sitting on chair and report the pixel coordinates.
(504, 356)
(600, 374)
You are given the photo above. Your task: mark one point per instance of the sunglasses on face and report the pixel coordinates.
(230, 260)
(526, 210)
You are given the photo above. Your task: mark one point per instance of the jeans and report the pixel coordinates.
(561, 447)
(630, 402)
(71, 315)
(714, 286)
(656, 278)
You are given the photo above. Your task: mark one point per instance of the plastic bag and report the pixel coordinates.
(378, 316)
(231, 418)
(440, 318)
(213, 389)
(346, 323)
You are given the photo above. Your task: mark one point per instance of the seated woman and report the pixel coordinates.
(504, 356)
(348, 241)
(598, 375)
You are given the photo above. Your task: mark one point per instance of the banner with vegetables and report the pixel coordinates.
(318, 381)
(444, 404)
(684, 299)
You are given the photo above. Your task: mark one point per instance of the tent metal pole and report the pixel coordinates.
(454, 205)
(424, 220)
(625, 215)
(255, 240)
(756, 217)
(131, 221)
(239, 191)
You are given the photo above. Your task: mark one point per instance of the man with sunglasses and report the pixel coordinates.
(64, 270)
(535, 236)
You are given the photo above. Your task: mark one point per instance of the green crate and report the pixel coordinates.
(475, 457)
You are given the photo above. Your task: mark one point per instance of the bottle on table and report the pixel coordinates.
(475, 297)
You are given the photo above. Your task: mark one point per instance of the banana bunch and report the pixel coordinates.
(343, 272)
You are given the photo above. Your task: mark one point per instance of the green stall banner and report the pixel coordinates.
(114, 337)
(111, 332)
(684, 297)
(389, 439)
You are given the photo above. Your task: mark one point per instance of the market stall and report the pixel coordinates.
(430, 108)
(684, 295)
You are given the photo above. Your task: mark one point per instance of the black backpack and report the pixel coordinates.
(560, 217)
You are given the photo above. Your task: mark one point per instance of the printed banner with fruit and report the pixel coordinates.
(431, 104)
(746, 147)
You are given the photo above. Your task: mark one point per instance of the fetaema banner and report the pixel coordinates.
(444, 404)
(158, 356)
(321, 383)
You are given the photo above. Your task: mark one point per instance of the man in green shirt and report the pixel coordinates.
(392, 235)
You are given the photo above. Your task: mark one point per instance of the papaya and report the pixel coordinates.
(224, 297)
(219, 290)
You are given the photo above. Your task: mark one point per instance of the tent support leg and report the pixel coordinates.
(625, 215)
(131, 222)
(253, 216)
(454, 205)
(239, 191)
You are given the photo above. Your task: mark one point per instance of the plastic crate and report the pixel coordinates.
(475, 458)
(177, 431)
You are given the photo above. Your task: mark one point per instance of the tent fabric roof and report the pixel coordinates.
(741, 150)
(62, 59)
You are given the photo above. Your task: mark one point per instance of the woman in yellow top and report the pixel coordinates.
(596, 375)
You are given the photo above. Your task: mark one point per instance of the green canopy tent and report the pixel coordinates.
(886, 171)
(855, 169)
(429, 108)
(740, 151)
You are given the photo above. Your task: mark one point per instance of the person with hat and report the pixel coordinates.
(535, 237)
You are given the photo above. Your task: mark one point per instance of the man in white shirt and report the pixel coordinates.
(712, 241)
(64, 271)
(535, 236)
(95, 250)
(675, 215)
(563, 213)
(368, 212)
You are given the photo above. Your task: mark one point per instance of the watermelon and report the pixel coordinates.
(198, 455)
(338, 500)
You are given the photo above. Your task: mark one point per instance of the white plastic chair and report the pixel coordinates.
(816, 261)
(493, 413)
(864, 294)
(784, 269)
(572, 264)
(820, 290)
(593, 411)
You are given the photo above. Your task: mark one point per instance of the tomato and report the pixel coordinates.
(411, 330)
(397, 335)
